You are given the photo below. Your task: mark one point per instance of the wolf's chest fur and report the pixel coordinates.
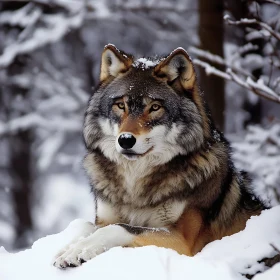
(162, 215)
(135, 194)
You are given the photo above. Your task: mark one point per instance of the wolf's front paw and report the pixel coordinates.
(78, 253)
(87, 248)
(86, 230)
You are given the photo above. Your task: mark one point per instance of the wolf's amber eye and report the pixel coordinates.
(155, 107)
(121, 105)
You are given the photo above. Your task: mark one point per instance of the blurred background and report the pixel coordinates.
(49, 65)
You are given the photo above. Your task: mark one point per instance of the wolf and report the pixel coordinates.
(160, 171)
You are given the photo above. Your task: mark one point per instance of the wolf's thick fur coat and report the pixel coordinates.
(176, 187)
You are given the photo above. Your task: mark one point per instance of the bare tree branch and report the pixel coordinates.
(275, 248)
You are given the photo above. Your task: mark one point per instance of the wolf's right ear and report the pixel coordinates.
(177, 66)
(114, 62)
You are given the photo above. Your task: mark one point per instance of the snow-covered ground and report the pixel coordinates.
(226, 259)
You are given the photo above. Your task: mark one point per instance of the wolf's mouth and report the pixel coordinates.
(132, 155)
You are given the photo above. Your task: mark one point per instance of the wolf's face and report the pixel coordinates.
(145, 109)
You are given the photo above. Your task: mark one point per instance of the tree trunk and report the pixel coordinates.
(20, 167)
(211, 33)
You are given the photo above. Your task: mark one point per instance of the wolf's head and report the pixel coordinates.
(145, 108)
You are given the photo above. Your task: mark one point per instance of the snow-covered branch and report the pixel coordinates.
(216, 59)
(248, 22)
(211, 70)
(240, 66)
(275, 2)
(34, 120)
(258, 87)
(51, 29)
(27, 15)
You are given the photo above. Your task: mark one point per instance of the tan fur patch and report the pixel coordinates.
(173, 240)
(192, 227)
(131, 125)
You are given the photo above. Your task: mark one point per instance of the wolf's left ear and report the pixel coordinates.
(114, 62)
(177, 65)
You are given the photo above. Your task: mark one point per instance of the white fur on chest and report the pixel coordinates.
(159, 216)
(132, 173)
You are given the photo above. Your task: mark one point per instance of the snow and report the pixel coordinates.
(58, 74)
(144, 63)
(252, 62)
(35, 120)
(57, 27)
(261, 85)
(226, 17)
(225, 259)
(272, 273)
(259, 154)
(7, 231)
(245, 48)
(210, 70)
(25, 16)
(259, 34)
(241, 67)
(101, 10)
(50, 149)
(207, 55)
(58, 205)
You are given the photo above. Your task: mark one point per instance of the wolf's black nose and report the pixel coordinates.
(127, 141)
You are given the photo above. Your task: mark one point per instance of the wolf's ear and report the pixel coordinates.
(113, 62)
(177, 65)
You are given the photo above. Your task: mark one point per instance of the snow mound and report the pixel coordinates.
(226, 259)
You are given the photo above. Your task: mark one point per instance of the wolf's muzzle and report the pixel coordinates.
(126, 141)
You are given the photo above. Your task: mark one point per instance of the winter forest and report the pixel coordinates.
(49, 65)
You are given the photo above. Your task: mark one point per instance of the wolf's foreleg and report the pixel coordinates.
(86, 230)
(120, 235)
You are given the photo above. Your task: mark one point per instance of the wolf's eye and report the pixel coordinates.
(120, 105)
(155, 107)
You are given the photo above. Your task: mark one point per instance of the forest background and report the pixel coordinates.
(49, 65)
